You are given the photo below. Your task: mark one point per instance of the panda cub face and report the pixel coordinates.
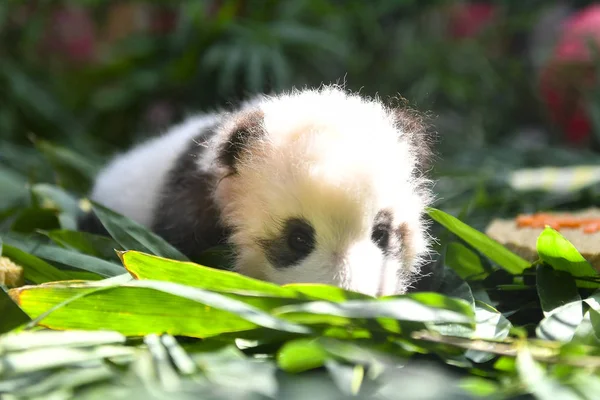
(323, 186)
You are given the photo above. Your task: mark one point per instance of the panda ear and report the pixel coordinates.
(247, 127)
(413, 127)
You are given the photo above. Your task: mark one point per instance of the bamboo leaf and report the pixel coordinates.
(484, 244)
(133, 236)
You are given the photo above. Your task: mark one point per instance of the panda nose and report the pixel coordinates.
(364, 270)
(382, 279)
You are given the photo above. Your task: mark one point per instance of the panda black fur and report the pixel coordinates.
(319, 186)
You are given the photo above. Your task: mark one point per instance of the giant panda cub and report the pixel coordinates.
(313, 186)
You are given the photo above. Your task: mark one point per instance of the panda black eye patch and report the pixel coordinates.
(381, 231)
(293, 244)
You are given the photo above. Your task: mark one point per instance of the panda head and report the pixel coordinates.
(323, 186)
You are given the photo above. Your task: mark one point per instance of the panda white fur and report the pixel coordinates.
(321, 186)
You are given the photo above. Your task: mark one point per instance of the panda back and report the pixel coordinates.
(132, 183)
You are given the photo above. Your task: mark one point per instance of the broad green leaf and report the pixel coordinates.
(479, 386)
(13, 188)
(133, 236)
(538, 382)
(586, 333)
(419, 307)
(139, 308)
(301, 355)
(32, 219)
(228, 367)
(53, 357)
(97, 266)
(87, 267)
(26, 340)
(11, 315)
(454, 286)
(348, 378)
(558, 252)
(464, 262)
(555, 288)
(221, 257)
(326, 292)
(36, 270)
(145, 266)
(490, 324)
(595, 320)
(74, 171)
(484, 244)
(560, 323)
(87, 243)
(54, 197)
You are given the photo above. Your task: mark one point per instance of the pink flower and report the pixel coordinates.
(570, 72)
(71, 33)
(470, 19)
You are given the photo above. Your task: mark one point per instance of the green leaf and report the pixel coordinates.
(558, 252)
(134, 236)
(484, 244)
(555, 288)
(36, 270)
(561, 323)
(595, 320)
(52, 357)
(326, 292)
(33, 219)
(87, 243)
(12, 315)
(348, 378)
(145, 266)
(221, 257)
(479, 386)
(418, 307)
(74, 170)
(35, 246)
(139, 308)
(13, 188)
(301, 355)
(490, 324)
(464, 262)
(97, 266)
(537, 381)
(54, 197)
(454, 286)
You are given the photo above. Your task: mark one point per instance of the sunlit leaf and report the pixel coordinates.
(145, 266)
(301, 355)
(484, 244)
(137, 308)
(558, 252)
(465, 262)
